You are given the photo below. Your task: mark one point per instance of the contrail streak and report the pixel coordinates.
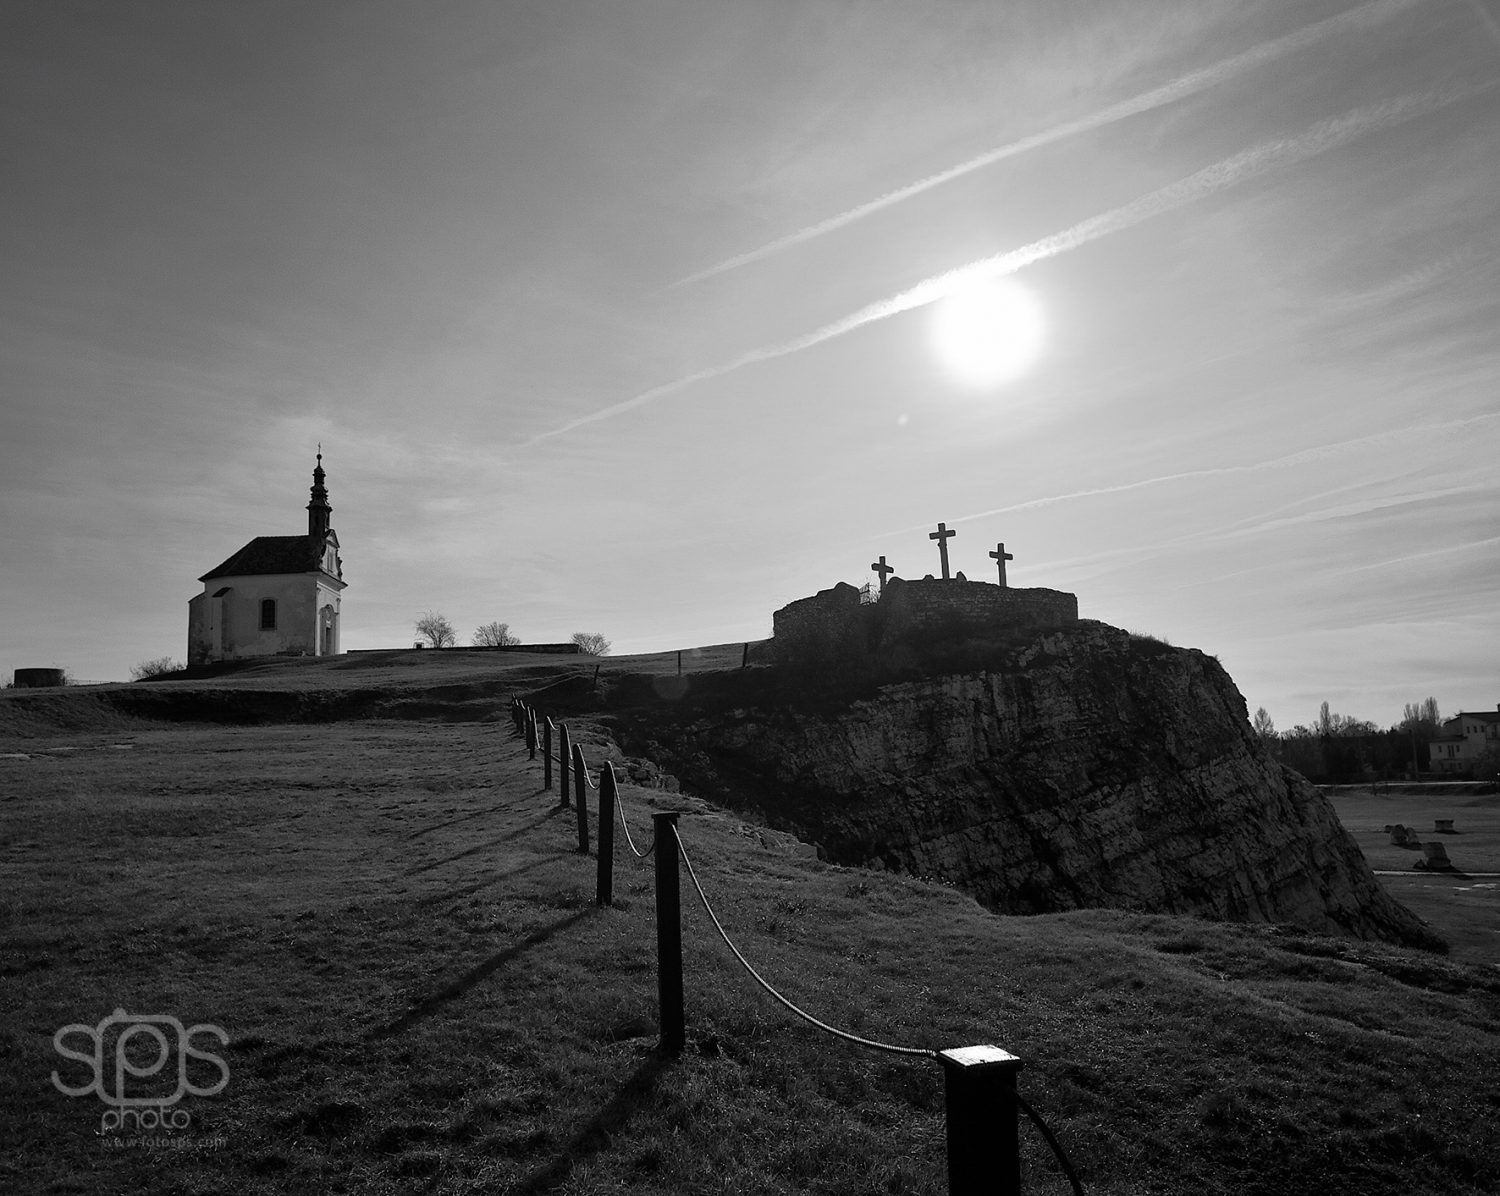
(1248, 164)
(1190, 84)
(1419, 556)
(1303, 457)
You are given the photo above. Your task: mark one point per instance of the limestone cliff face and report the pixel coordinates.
(1092, 768)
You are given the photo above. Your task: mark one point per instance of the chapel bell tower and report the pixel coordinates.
(319, 513)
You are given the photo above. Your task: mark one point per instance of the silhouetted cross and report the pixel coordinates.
(942, 536)
(1001, 556)
(882, 568)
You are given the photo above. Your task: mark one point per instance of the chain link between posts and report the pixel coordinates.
(923, 1052)
(620, 809)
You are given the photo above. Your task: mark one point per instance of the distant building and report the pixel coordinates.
(277, 596)
(1464, 739)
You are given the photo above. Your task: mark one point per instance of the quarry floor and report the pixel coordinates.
(1462, 905)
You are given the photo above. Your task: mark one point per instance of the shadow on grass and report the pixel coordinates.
(493, 879)
(437, 826)
(488, 843)
(596, 1134)
(429, 1005)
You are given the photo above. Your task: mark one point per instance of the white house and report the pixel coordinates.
(276, 596)
(1464, 738)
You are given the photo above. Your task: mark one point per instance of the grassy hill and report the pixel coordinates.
(388, 917)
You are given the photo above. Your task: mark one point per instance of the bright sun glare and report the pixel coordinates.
(987, 332)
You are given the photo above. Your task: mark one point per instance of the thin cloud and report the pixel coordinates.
(1364, 16)
(1229, 172)
(1490, 25)
(1469, 547)
(1322, 452)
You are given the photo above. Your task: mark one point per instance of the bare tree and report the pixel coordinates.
(1422, 718)
(494, 635)
(160, 667)
(1262, 724)
(1331, 723)
(436, 630)
(591, 643)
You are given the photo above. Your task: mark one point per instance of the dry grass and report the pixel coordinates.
(390, 921)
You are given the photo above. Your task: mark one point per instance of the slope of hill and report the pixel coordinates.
(391, 924)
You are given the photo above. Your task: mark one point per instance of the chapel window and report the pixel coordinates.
(268, 614)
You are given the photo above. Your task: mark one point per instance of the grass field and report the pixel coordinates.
(390, 922)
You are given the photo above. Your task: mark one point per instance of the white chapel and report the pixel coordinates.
(277, 596)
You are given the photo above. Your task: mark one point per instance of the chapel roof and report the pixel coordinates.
(273, 554)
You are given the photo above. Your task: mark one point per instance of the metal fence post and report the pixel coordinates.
(531, 733)
(668, 935)
(563, 762)
(546, 753)
(581, 798)
(604, 887)
(984, 1154)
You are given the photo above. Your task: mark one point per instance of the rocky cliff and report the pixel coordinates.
(1084, 767)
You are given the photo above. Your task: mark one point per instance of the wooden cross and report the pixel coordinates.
(942, 536)
(1001, 556)
(882, 568)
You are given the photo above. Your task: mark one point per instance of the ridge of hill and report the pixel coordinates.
(1080, 767)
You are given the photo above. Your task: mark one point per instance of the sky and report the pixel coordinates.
(630, 318)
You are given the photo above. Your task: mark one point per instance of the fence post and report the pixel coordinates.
(581, 797)
(562, 760)
(668, 935)
(984, 1153)
(604, 887)
(546, 753)
(531, 732)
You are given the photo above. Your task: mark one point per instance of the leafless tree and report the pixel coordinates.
(436, 630)
(1262, 724)
(591, 643)
(1422, 719)
(494, 635)
(159, 667)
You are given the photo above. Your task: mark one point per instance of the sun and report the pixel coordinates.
(988, 332)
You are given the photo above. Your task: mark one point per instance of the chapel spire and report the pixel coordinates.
(319, 513)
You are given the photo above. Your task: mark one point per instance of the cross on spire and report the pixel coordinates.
(1001, 556)
(882, 569)
(942, 536)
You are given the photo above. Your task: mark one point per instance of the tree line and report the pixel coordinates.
(435, 631)
(1339, 749)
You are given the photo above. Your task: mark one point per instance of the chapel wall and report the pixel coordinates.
(298, 599)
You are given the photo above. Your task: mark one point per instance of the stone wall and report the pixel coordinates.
(834, 619)
(812, 626)
(969, 608)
